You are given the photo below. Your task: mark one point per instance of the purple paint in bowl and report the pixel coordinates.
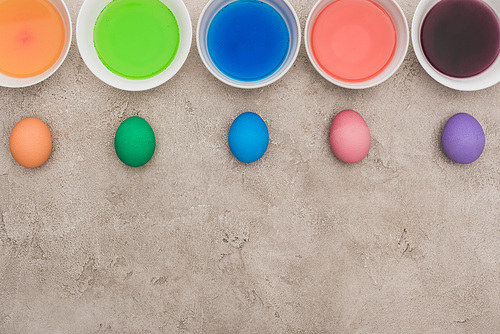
(461, 38)
(463, 138)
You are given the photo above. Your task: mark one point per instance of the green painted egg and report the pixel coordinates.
(135, 141)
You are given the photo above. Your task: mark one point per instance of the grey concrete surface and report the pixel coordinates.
(196, 242)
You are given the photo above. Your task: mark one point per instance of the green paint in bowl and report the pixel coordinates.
(136, 39)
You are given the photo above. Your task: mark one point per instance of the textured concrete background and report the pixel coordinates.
(196, 242)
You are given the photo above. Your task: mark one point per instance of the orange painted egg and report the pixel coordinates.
(30, 142)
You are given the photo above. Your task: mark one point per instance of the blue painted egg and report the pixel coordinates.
(248, 137)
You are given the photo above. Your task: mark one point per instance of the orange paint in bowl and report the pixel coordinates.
(353, 40)
(32, 37)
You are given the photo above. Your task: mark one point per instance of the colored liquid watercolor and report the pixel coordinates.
(248, 40)
(32, 37)
(461, 38)
(136, 39)
(353, 40)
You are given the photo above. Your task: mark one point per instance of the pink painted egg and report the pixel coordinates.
(350, 137)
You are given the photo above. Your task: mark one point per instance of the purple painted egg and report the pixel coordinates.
(463, 138)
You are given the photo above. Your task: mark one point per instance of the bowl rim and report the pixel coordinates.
(248, 84)
(473, 83)
(362, 84)
(126, 84)
(26, 82)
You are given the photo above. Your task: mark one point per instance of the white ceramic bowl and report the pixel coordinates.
(402, 40)
(483, 80)
(7, 81)
(292, 21)
(87, 17)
